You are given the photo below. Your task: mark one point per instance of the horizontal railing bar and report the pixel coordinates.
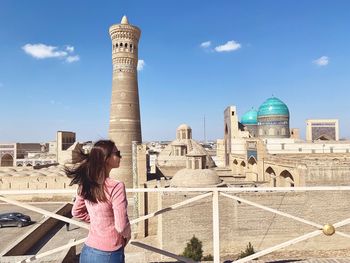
(45, 212)
(170, 208)
(279, 246)
(342, 223)
(162, 252)
(52, 251)
(273, 210)
(342, 234)
(173, 189)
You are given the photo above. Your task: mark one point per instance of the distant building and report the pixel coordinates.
(64, 150)
(295, 133)
(322, 129)
(276, 156)
(174, 156)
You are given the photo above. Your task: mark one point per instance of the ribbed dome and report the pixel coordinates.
(250, 117)
(273, 106)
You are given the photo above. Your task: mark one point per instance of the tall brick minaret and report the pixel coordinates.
(125, 123)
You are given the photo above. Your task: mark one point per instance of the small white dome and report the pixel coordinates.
(195, 178)
(184, 127)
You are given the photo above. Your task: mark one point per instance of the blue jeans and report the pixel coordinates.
(93, 255)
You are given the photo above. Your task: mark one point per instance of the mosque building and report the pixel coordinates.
(270, 121)
(264, 150)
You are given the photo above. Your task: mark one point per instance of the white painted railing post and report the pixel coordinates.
(216, 227)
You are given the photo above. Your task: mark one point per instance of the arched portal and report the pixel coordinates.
(252, 164)
(271, 176)
(235, 168)
(6, 160)
(287, 179)
(242, 168)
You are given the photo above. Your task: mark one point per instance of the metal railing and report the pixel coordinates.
(202, 193)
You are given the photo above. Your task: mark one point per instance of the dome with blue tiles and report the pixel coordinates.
(250, 117)
(273, 106)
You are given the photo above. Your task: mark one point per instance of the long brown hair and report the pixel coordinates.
(90, 174)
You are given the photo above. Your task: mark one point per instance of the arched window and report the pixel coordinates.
(7, 160)
(126, 45)
(116, 45)
(288, 178)
(121, 44)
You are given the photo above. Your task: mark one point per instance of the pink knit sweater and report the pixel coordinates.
(109, 222)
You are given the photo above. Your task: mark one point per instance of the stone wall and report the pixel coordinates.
(240, 223)
(318, 175)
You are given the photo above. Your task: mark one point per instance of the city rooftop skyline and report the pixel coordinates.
(195, 59)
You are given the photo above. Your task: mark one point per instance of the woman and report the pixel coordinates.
(102, 202)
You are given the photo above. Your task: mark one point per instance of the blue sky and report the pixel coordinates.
(199, 57)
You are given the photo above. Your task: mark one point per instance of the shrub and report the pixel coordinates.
(249, 250)
(193, 249)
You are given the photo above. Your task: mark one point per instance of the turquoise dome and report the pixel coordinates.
(273, 106)
(250, 117)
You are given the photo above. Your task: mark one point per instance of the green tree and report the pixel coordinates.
(193, 249)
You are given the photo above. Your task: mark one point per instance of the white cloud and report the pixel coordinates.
(140, 64)
(228, 47)
(70, 49)
(322, 61)
(71, 59)
(206, 44)
(42, 51)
